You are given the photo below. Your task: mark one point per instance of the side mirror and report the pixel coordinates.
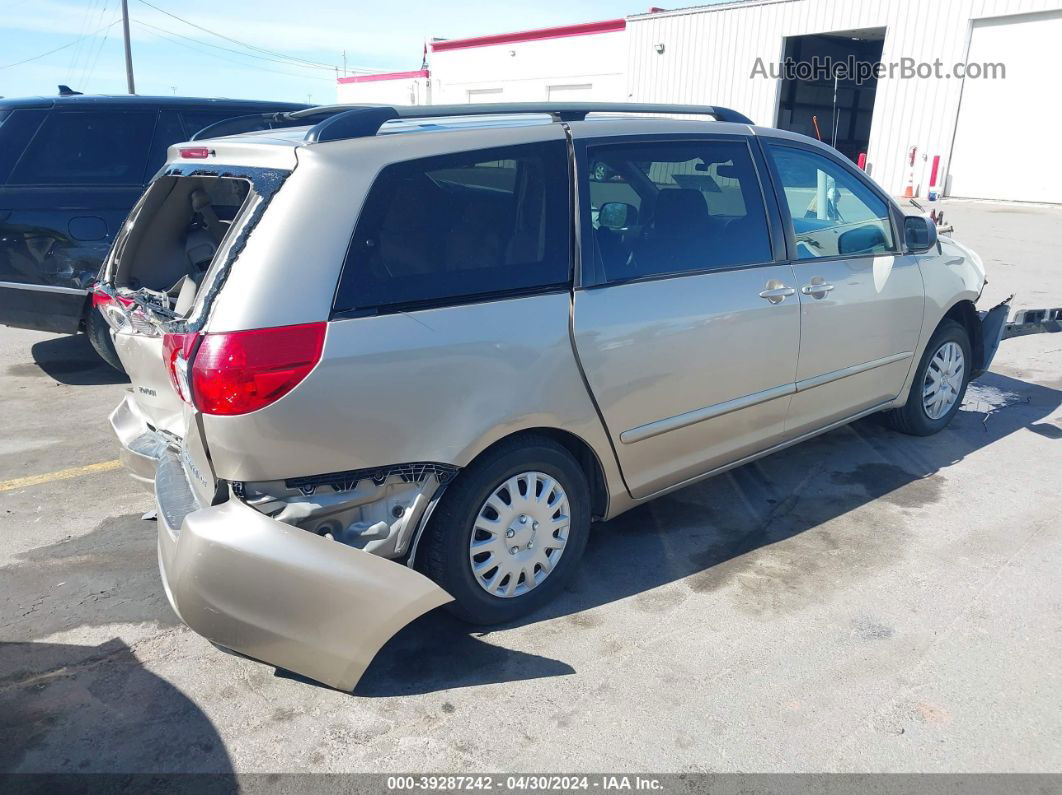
(919, 233)
(617, 215)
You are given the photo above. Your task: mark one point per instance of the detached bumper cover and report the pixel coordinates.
(271, 591)
(285, 596)
(995, 328)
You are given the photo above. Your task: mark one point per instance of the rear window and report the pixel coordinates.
(196, 120)
(90, 148)
(444, 229)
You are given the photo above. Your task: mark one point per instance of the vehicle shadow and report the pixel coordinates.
(68, 709)
(705, 535)
(437, 652)
(71, 359)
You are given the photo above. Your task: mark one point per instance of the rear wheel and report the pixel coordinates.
(939, 383)
(99, 334)
(508, 534)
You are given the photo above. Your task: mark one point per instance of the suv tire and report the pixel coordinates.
(913, 417)
(527, 462)
(99, 334)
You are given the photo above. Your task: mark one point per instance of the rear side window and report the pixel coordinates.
(90, 148)
(670, 207)
(445, 229)
(17, 128)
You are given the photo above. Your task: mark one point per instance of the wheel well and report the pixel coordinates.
(966, 315)
(582, 453)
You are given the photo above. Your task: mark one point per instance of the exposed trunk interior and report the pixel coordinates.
(175, 234)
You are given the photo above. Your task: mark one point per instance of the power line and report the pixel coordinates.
(237, 41)
(169, 37)
(57, 49)
(229, 49)
(93, 53)
(86, 23)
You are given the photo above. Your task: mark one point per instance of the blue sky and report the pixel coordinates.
(170, 56)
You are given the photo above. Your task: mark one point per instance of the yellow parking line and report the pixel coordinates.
(62, 474)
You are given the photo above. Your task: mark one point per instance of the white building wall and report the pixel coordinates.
(568, 68)
(709, 54)
(387, 91)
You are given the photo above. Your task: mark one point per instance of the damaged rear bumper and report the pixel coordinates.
(268, 590)
(141, 446)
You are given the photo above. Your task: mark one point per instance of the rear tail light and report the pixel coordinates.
(177, 352)
(239, 372)
(115, 309)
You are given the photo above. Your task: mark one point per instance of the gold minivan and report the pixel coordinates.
(385, 359)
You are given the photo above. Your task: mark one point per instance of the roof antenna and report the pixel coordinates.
(67, 91)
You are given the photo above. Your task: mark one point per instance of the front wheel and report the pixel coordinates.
(939, 383)
(508, 534)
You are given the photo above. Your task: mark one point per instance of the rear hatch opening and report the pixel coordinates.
(166, 267)
(167, 249)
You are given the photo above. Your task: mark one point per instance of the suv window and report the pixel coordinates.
(93, 148)
(833, 213)
(668, 208)
(460, 226)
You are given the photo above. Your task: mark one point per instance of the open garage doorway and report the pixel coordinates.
(809, 101)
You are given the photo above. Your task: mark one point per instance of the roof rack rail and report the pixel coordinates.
(340, 122)
(357, 122)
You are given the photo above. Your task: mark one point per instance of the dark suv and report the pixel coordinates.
(71, 167)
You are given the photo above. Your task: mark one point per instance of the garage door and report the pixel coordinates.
(1007, 128)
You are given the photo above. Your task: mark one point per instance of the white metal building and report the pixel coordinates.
(386, 88)
(571, 62)
(991, 137)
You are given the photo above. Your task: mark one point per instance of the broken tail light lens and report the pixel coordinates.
(177, 352)
(242, 371)
(114, 308)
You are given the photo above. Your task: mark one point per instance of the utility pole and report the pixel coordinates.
(128, 51)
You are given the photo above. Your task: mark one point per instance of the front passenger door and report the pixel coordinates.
(861, 298)
(685, 320)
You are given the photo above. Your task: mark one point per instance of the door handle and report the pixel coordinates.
(777, 294)
(816, 289)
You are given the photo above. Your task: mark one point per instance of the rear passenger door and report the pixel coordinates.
(686, 320)
(861, 298)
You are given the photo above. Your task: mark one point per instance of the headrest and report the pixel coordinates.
(681, 209)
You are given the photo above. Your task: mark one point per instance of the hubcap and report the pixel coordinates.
(519, 535)
(943, 382)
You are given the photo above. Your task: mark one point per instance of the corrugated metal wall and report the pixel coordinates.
(710, 52)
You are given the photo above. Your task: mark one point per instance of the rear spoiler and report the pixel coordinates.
(256, 122)
(339, 122)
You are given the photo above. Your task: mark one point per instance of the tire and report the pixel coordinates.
(99, 335)
(463, 511)
(913, 417)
